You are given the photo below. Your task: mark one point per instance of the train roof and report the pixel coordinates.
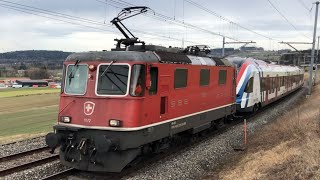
(148, 56)
(238, 61)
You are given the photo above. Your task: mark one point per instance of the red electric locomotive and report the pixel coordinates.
(117, 105)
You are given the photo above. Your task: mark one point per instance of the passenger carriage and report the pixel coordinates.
(260, 83)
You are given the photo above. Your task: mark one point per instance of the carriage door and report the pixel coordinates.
(277, 85)
(267, 87)
(256, 88)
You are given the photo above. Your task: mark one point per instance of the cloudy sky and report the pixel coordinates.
(84, 25)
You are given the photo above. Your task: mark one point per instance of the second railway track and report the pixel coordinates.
(19, 163)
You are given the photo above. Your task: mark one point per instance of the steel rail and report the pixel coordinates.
(25, 153)
(28, 165)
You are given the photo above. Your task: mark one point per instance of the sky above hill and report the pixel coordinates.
(84, 25)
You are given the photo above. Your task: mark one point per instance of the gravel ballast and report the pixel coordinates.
(193, 162)
(38, 172)
(21, 146)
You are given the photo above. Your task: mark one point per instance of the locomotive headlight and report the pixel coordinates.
(65, 119)
(115, 123)
(92, 67)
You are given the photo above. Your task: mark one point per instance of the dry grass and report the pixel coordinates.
(289, 148)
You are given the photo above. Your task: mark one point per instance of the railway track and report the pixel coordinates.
(26, 153)
(28, 164)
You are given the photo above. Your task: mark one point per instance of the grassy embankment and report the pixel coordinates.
(288, 148)
(27, 112)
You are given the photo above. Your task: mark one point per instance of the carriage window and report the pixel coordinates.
(263, 84)
(154, 80)
(76, 79)
(204, 77)
(180, 78)
(137, 85)
(249, 86)
(222, 76)
(112, 79)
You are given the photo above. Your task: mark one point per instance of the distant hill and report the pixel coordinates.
(33, 56)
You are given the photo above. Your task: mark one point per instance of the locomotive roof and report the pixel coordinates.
(114, 56)
(147, 56)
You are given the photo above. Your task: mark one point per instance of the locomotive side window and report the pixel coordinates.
(204, 77)
(137, 85)
(222, 76)
(112, 79)
(249, 86)
(180, 78)
(154, 81)
(76, 79)
(63, 82)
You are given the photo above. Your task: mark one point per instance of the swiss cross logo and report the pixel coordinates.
(88, 108)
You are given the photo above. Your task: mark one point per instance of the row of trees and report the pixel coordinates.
(32, 73)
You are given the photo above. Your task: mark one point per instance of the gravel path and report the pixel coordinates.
(193, 162)
(21, 146)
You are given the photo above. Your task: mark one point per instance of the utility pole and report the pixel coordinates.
(317, 61)
(223, 43)
(313, 45)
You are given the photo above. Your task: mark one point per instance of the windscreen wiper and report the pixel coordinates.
(106, 70)
(72, 70)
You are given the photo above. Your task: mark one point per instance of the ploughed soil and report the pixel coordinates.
(288, 148)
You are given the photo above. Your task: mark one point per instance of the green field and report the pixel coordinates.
(25, 115)
(12, 92)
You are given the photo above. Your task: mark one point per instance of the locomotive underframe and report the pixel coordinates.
(110, 151)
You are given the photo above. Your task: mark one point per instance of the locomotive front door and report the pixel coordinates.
(153, 100)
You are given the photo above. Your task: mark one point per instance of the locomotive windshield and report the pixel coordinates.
(76, 79)
(113, 80)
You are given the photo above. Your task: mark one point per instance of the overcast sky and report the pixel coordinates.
(32, 30)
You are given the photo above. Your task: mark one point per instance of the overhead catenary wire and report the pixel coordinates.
(49, 12)
(56, 19)
(286, 19)
(71, 19)
(304, 5)
(226, 19)
(123, 4)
